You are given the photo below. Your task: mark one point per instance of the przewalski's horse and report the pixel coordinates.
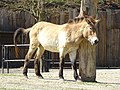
(64, 39)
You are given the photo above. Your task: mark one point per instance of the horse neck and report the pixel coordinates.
(79, 27)
(76, 34)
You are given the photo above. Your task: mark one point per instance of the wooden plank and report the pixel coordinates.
(99, 45)
(116, 49)
(62, 17)
(102, 40)
(105, 38)
(58, 17)
(70, 13)
(10, 19)
(115, 39)
(109, 55)
(101, 52)
(14, 21)
(66, 16)
(113, 51)
(0, 19)
(116, 19)
(118, 45)
(75, 13)
(29, 20)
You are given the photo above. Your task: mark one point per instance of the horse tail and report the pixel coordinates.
(18, 32)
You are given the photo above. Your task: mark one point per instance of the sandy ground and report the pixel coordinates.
(107, 79)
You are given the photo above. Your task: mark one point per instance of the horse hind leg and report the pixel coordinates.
(72, 57)
(39, 53)
(31, 50)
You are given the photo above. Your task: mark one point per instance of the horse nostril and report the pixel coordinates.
(96, 41)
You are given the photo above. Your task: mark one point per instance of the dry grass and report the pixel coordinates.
(107, 79)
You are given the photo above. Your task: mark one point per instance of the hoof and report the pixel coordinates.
(77, 79)
(61, 78)
(25, 76)
(40, 76)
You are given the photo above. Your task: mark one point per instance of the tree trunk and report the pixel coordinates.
(87, 52)
(87, 61)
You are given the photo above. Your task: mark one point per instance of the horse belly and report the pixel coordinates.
(51, 48)
(49, 43)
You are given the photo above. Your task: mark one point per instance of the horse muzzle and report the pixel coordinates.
(94, 41)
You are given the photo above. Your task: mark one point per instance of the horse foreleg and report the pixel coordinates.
(61, 65)
(27, 58)
(76, 77)
(72, 56)
(39, 53)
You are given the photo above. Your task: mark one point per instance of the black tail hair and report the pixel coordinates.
(18, 32)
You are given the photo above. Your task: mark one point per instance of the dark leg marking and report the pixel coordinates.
(75, 71)
(37, 68)
(61, 65)
(25, 70)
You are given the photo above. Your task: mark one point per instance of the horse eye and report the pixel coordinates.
(88, 22)
(91, 32)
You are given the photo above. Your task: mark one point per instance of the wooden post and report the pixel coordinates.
(87, 61)
(87, 52)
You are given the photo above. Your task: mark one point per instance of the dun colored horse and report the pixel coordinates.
(64, 39)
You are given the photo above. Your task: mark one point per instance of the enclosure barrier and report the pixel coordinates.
(7, 57)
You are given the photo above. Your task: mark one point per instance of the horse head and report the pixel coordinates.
(89, 30)
(88, 26)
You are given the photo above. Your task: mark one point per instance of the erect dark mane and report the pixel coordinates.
(88, 18)
(91, 21)
(75, 20)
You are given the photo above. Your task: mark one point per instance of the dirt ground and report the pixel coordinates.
(107, 79)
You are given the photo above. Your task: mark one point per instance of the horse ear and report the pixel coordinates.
(97, 21)
(94, 17)
(70, 21)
